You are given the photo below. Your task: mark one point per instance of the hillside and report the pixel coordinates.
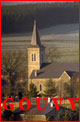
(19, 18)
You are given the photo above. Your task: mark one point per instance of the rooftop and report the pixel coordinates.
(55, 70)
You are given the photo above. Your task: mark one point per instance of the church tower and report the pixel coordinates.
(36, 52)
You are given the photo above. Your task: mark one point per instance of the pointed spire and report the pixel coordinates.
(35, 36)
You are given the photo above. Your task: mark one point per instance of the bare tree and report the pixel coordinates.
(52, 54)
(72, 88)
(14, 63)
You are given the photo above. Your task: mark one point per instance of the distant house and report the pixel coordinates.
(39, 71)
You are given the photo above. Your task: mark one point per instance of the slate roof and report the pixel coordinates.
(35, 111)
(55, 70)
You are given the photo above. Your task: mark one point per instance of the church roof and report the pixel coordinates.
(35, 36)
(55, 70)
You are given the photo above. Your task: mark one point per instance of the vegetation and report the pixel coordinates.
(75, 117)
(59, 116)
(63, 89)
(68, 105)
(50, 56)
(66, 89)
(67, 116)
(50, 89)
(13, 64)
(19, 18)
(64, 51)
(8, 114)
(60, 89)
(71, 89)
(33, 90)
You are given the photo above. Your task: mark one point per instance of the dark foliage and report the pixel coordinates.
(20, 95)
(50, 89)
(7, 113)
(33, 90)
(19, 18)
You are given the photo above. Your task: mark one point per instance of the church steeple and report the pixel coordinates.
(36, 52)
(35, 36)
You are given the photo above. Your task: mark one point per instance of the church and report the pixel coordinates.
(39, 72)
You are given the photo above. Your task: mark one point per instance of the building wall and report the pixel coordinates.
(33, 65)
(43, 82)
(34, 118)
(64, 77)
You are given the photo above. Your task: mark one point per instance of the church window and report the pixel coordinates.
(33, 57)
(40, 87)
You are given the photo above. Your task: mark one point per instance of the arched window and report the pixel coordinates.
(40, 87)
(33, 57)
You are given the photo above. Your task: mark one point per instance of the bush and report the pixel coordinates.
(33, 90)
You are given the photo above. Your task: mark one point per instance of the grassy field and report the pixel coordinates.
(64, 37)
(68, 50)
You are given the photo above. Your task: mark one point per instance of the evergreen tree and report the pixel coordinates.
(33, 90)
(50, 88)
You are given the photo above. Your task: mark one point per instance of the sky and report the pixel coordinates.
(4, 3)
